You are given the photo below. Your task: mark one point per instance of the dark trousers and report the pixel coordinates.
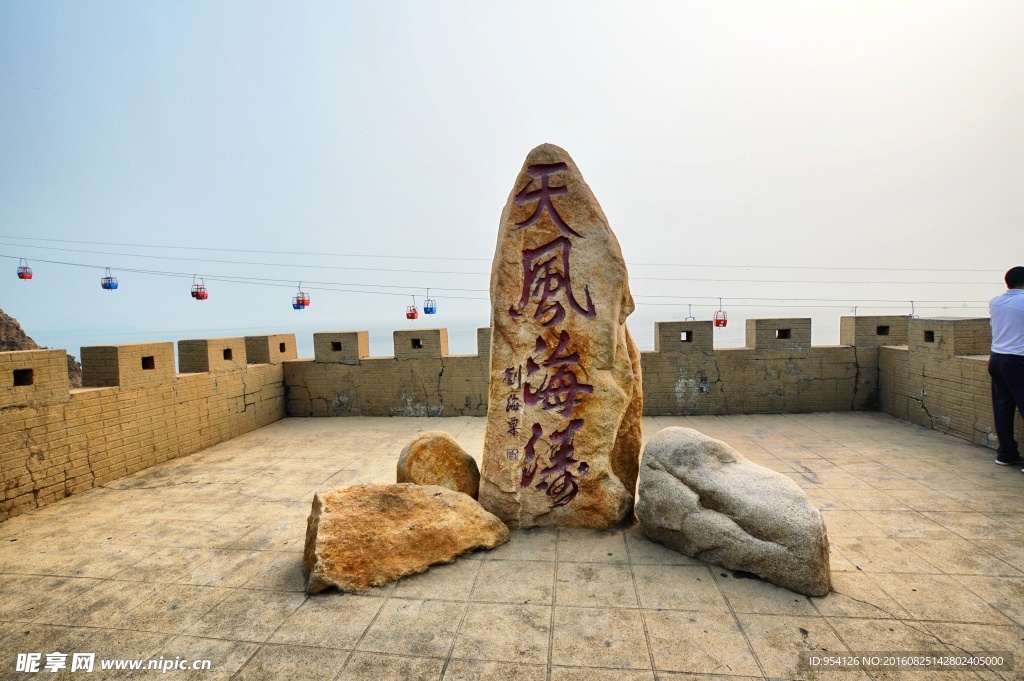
(1007, 373)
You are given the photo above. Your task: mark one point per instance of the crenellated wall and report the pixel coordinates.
(421, 379)
(779, 370)
(939, 378)
(135, 411)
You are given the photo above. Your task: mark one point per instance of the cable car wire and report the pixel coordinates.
(465, 259)
(486, 274)
(342, 287)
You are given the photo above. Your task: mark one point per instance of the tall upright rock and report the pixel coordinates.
(563, 417)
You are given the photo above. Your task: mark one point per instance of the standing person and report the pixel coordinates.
(1006, 363)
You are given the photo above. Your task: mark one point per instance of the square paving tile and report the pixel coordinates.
(599, 637)
(172, 608)
(515, 581)
(362, 666)
(756, 596)
(779, 640)
(678, 587)
(247, 615)
(485, 670)
(295, 663)
(504, 633)
(534, 544)
(937, 597)
(329, 620)
(452, 582)
(592, 546)
(595, 585)
(226, 657)
(699, 643)
(414, 627)
(644, 551)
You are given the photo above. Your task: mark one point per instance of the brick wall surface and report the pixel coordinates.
(940, 378)
(211, 354)
(684, 375)
(131, 365)
(54, 443)
(33, 376)
(422, 379)
(272, 349)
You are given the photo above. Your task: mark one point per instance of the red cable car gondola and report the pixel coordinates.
(411, 312)
(199, 291)
(108, 282)
(721, 319)
(24, 271)
(300, 301)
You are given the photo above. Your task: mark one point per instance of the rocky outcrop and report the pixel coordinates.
(13, 337)
(563, 417)
(702, 498)
(435, 458)
(368, 535)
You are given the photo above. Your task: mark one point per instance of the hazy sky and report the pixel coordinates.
(792, 135)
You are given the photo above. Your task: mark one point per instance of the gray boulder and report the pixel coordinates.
(702, 498)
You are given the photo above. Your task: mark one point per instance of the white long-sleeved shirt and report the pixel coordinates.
(1007, 319)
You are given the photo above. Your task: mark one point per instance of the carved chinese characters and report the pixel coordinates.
(563, 425)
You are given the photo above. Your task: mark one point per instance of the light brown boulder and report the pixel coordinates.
(701, 497)
(563, 417)
(435, 458)
(368, 535)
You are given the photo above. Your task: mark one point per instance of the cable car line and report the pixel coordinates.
(241, 262)
(456, 258)
(487, 274)
(337, 287)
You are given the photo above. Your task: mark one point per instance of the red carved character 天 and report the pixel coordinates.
(543, 195)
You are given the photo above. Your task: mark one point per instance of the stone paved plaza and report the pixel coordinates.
(200, 558)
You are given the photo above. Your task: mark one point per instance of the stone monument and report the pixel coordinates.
(563, 420)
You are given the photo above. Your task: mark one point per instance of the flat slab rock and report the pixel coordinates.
(368, 535)
(701, 497)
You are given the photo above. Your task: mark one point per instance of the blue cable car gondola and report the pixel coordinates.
(108, 282)
(429, 305)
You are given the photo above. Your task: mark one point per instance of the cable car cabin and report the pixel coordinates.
(303, 298)
(108, 282)
(721, 319)
(297, 303)
(199, 292)
(24, 271)
(411, 312)
(430, 306)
